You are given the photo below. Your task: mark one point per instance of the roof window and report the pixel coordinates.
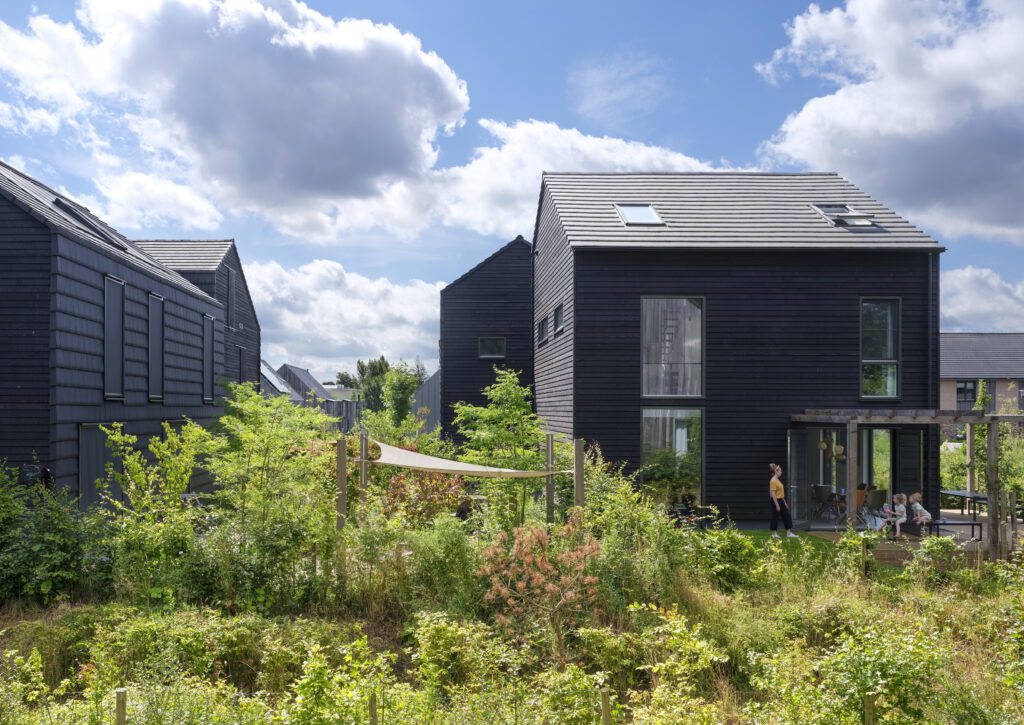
(634, 215)
(843, 215)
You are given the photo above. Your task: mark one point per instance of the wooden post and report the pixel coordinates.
(870, 717)
(970, 458)
(852, 435)
(341, 480)
(993, 493)
(606, 706)
(578, 498)
(364, 473)
(373, 708)
(549, 489)
(120, 706)
(1013, 520)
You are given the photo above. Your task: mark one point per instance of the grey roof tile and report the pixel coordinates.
(187, 255)
(722, 210)
(274, 384)
(978, 355)
(307, 379)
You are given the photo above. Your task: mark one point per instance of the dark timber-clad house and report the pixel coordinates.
(699, 312)
(485, 321)
(93, 331)
(215, 267)
(690, 321)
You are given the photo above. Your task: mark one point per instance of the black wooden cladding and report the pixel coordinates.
(553, 372)
(24, 336)
(781, 336)
(494, 299)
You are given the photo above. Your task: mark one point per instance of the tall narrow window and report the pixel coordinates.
(207, 359)
(672, 339)
(879, 348)
(113, 339)
(229, 300)
(559, 318)
(241, 363)
(156, 347)
(672, 452)
(542, 331)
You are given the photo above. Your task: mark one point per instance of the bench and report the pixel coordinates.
(935, 525)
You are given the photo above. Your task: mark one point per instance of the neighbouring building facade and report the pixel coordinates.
(485, 321)
(968, 358)
(95, 330)
(683, 320)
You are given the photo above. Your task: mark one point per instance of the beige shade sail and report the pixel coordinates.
(392, 456)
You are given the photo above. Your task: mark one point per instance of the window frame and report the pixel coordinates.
(156, 344)
(558, 319)
(504, 344)
(113, 353)
(957, 396)
(703, 348)
(638, 205)
(862, 361)
(209, 337)
(703, 439)
(543, 334)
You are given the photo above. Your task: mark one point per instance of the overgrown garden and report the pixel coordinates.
(248, 604)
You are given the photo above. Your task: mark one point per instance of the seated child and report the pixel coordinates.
(919, 512)
(897, 515)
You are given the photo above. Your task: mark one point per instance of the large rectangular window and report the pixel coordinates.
(879, 348)
(156, 347)
(672, 453)
(207, 359)
(113, 339)
(673, 351)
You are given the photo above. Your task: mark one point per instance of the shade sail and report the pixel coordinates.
(392, 456)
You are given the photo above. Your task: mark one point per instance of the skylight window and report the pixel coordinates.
(638, 215)
(843, 215)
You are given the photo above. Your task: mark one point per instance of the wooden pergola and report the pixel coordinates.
(999, 507)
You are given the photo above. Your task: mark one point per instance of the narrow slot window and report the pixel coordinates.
(156, 348)
(113, 339)
(880, 348)
(207, 359)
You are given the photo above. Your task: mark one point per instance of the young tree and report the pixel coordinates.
(505, 433)
(371, 374)
(345, 379)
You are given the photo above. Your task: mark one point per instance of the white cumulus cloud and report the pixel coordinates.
(928, 111)
(979, 300)
(322, 317)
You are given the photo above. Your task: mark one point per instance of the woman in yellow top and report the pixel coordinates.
(779, 507)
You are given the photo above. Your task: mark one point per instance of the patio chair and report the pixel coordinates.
(825, 504)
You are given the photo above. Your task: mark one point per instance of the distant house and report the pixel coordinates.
(687, 322)
(94, 331)
(485, 321)
(215, 267)
(971, 357)
(314, 393)
(273, 385)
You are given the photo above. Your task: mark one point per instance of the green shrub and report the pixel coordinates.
(723, 556)
(569, 696)
(443, 568)
(42, 542)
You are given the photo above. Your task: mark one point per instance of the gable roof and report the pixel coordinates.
(274, 384)
(306, 381)
(188, 255)
(715, 210)
(517, 242)
(978, 355)
(69, 218)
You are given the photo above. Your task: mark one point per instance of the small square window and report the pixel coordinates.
(639, 215)
(559, 318)
(542, 331)
(491, 347)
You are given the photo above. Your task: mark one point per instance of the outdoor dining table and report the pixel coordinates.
(971, 499)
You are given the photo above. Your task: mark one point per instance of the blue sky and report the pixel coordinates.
(362, 154)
